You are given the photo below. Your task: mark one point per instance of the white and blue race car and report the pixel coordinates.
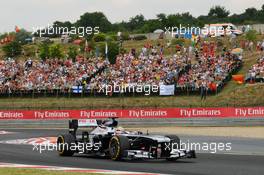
(106, 139)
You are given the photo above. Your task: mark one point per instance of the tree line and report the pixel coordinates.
(139, 24)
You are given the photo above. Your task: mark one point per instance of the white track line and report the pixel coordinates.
(5, 132)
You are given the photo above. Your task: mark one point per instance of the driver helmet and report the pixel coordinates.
(119, 130)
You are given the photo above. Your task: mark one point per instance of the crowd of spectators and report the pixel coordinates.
(210, 72)
(143, 70)
(249, 45)
(260, 46)
(17, 75)
(256, 73)
(150, 67)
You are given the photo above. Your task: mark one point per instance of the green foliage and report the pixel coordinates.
(136, 22)
(123, 50)
(99, 37)
(250, 13)
(179, 41)
(22, 35)
(91, 44)
(72, 53)
(50, 51)
(172, 20)
(140, 37)
(251, 35)
(29, 50)
(113, 51)
(151, 25)
(3, 35)
(56, 51)
(115, 37)
(12, 49)
(96, 19)
(61, 27)
(44, 51)
(59, 24)
(125, 36)
(218, 12)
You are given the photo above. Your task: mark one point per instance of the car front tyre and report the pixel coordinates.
(117, 146)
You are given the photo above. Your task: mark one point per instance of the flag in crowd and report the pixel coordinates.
(106, 51)
(17, 29)
(77, 89)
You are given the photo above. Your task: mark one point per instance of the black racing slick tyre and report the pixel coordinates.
(64, 143)
(117, 146)
(174, 144)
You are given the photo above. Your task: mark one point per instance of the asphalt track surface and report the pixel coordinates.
(205, 163)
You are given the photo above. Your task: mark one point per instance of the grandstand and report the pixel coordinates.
(88, 75)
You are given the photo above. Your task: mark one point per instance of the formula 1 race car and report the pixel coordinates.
(108, 140)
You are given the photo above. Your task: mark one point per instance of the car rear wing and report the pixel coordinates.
(75, 124)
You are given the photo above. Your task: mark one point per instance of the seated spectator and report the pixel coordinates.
(256, 73)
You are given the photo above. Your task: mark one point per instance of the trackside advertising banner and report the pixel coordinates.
(167, 89)
(249, 112)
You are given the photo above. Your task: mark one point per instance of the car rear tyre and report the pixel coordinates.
(64, 143)
(117, 146)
